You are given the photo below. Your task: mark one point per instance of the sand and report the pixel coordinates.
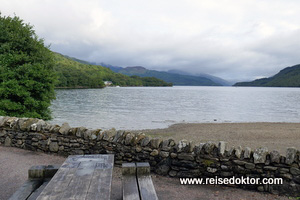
(275, 136)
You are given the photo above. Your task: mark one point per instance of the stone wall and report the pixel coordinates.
(166, 157)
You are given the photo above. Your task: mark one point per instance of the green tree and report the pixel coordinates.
(27, 77)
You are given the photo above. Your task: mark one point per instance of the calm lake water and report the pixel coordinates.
(159, 107)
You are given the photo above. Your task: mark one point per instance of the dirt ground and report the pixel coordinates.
(275, 136)
(14, 164)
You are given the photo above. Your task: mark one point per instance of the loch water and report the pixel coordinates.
(158, 107)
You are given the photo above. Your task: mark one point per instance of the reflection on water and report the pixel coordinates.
(159, 107)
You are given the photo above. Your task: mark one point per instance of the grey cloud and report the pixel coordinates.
(234, 40)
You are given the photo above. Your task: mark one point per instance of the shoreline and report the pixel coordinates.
(274, 135)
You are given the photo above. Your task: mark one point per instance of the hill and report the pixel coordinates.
(175, 78)
(74, 73)
(213, 78)
(288, 77)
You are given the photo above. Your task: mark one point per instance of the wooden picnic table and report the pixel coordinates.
(81, 177)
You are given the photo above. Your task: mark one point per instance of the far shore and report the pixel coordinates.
(275, 136)
(79, 87)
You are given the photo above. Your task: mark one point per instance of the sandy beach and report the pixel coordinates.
(275, 136)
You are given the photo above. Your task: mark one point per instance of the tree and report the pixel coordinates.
(27, 77)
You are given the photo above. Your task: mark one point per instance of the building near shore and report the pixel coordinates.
(107, 83)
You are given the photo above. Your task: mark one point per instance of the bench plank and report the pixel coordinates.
(146, 187)
(26, 189)
(130, 188)
(129, 182)
(38, 191)
(147, 190)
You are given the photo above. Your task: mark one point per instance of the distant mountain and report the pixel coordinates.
(75, 73)
(111, 67)
(288, 77)
(175, 78)
(213, 78)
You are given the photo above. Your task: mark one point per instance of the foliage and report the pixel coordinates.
(288, 77)
(176, 79)
(26, 71)
(74, 73)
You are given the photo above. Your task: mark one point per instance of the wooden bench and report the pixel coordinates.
(81, 177)
(137, 182)
(38, 178)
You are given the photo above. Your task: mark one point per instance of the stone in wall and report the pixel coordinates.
(11, 122)
(118, 136)
(64, 129)
(260, 155)
(163, 167)
(186, 156)
(145, 141)
(128, 139)
(198, 148)
(80, 131)
(108, 135)
(238, 152)
(222, 147)
(155, 143)
(209, 147)
(2, 133)
(138, 138)
(181, 145)
(247, 152)
(290, 155)
(2, 120)
(7, 142)
(53, 146)
(275, 156)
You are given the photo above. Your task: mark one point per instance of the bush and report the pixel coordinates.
(26, 71)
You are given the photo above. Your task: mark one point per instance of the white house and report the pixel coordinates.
(107, 83)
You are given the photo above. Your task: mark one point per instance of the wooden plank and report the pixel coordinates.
(128, 169)
(100, 185)
(26, 189)
(38, 191)
(142, 168)
(80, 183)
(130, 188)
(129, 182)
(147, 190)
(59, 183)
(146, 187)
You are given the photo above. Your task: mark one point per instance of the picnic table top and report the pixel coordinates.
(81, 177)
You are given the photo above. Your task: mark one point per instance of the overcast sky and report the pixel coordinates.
(232, 39)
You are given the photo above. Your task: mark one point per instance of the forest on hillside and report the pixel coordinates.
(288, 77)
(74, 74)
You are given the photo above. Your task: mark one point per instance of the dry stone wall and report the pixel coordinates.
(166, 157)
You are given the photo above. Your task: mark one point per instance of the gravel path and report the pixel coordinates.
(14, 164)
